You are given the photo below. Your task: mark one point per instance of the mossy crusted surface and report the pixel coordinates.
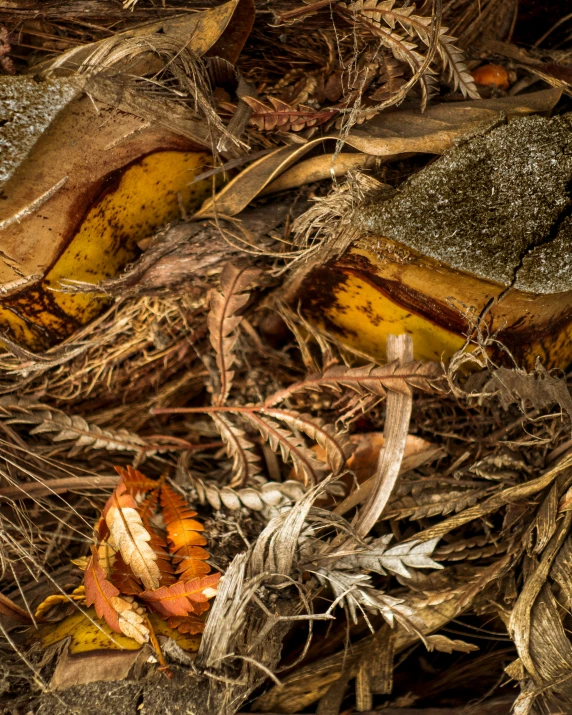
(495, 206)
(27, 107)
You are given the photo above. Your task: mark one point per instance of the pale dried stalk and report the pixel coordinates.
(397, 419)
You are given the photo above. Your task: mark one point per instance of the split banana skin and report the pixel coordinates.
(93, 184)
(483, 231)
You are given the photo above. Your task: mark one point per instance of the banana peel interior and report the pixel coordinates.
(89, 633)
(119, 182)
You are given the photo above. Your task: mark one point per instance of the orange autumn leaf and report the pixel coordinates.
(136, 482)
(123, 578)
(117, 612)
(185, 543)
(180, 598)
(190, 624)
(146, 510)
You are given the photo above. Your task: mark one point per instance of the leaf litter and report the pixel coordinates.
(232, 404)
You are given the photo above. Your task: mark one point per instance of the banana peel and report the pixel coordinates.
(97, 172)
(93, 185)
(88, 633)
(482, 234)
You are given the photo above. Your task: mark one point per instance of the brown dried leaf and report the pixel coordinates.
(369, 379)
(223, 321)
(283, 117)
(246, 463)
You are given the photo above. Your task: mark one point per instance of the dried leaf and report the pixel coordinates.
(128, 535)
(539, 388)
(335, 445)
(448, 645)
(223, 321)
(181, 598)
(12, 611)
(389, 135)
(369, 379)
(246, 463)
(421, 27)
(191, 624)
(283, 117)
(118, 613)
(291, 447)
(185, 542)
(379, 558)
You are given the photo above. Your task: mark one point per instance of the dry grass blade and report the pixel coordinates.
(223, 321)
(397, 419)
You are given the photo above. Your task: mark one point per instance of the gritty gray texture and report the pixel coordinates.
(549, 265)
(487, 202)
(27, 107)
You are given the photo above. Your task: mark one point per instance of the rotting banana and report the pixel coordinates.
(89, 633)
(484, 233)
(93, 184)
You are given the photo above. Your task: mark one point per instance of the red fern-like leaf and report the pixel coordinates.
(181, 598)
(182, 534)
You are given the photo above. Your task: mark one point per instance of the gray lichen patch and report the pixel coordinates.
(549, 265)
(487, 202)
(27, 107)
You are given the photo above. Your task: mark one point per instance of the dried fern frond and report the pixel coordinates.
(267, 495)
(434, 502)
(223, 321)
(291, 447)
(400, 46)
(336, 445)
(375, 13)
(284, 117)
(355, 591)
(369, 379)
(63, 427)
(246, 463)
(378, 557)
(184, 535)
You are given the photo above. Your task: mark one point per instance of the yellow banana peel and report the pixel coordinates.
(95, 183)
(89, 633)
(482, 235)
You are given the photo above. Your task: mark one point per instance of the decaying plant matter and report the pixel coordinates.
(322, 510)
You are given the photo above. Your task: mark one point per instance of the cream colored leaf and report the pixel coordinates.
(132, 624)
(130, 537)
